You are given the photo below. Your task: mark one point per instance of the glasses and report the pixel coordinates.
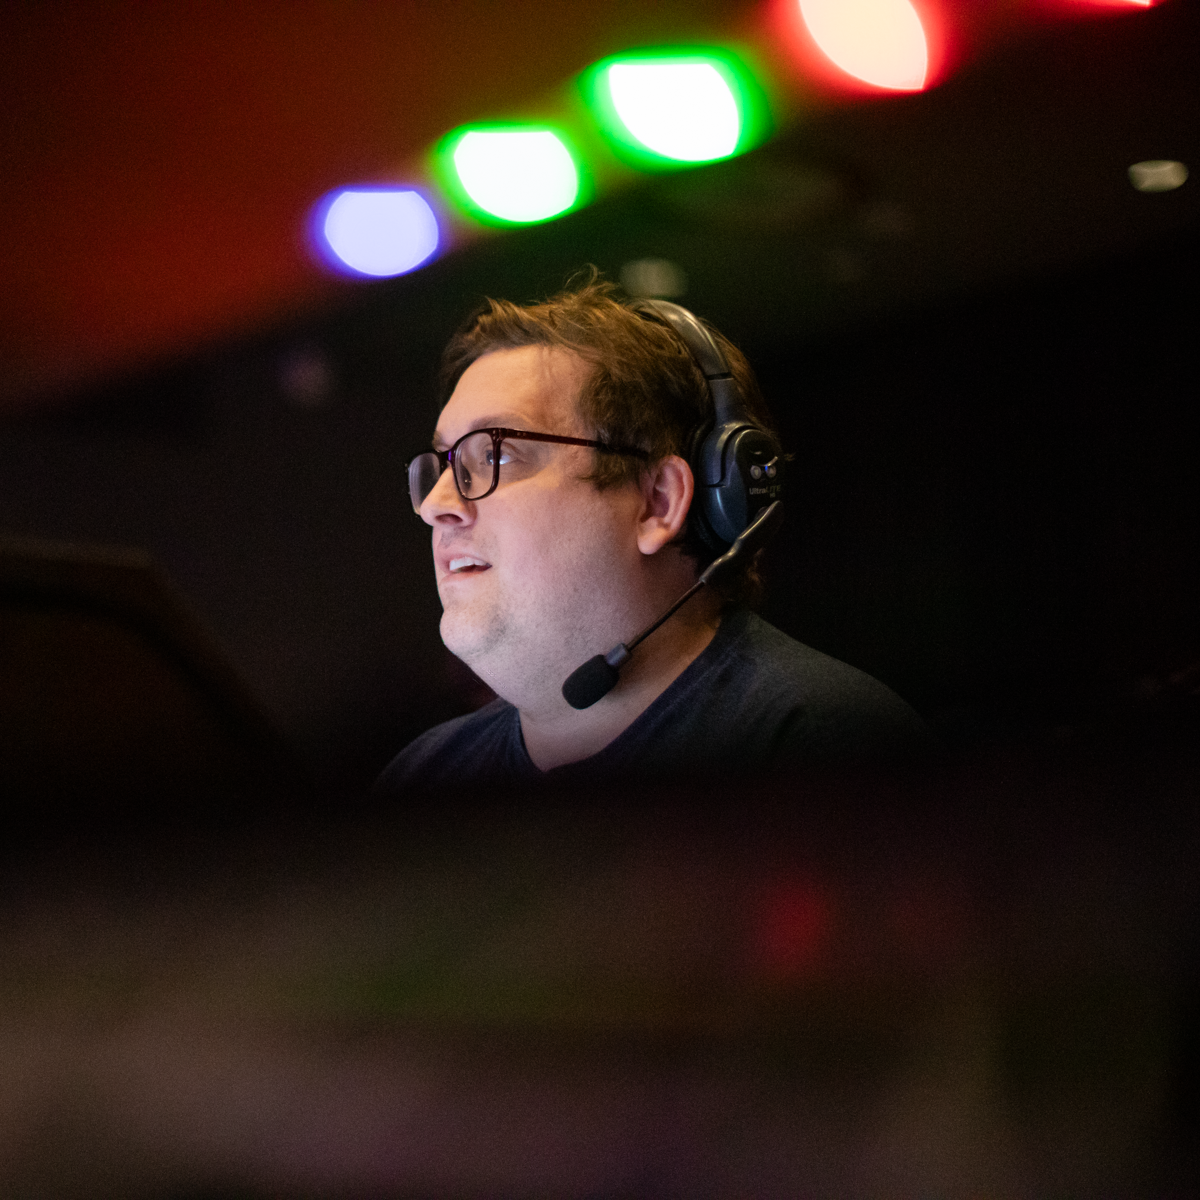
(476, 459)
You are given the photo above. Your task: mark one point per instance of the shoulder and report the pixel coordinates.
(803, 704)
(777, 662)
(484, 743)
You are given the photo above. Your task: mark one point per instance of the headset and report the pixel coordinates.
(737, 464)
(739, 472)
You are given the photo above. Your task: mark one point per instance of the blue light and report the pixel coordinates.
(379, 231)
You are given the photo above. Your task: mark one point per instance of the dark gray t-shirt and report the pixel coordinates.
(754, 699)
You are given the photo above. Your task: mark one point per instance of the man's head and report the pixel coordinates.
(584, 544)
(641, 387)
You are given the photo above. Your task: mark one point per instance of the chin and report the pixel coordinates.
(470, 636)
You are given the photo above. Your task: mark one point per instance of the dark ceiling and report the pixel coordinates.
(159, 163)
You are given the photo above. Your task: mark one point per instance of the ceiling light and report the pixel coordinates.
(515, 174)
(378, 231)
(1158, 175)
(880, 42)
(653, 277)
(676, 107)
(680, 110)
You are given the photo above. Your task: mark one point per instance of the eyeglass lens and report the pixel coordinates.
(423, 473)
(473, 467)
(474, 471)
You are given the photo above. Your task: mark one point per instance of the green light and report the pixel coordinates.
(676, 107)
(517, 174)
(681, 110)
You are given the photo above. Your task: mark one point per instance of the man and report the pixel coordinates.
(557, 545)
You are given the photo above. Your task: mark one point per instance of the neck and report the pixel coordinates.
(556, 734)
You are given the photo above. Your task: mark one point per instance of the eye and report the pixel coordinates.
(505, 455)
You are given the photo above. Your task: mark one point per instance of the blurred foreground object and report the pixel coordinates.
(976, 984)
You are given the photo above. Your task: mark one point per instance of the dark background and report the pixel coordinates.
(979, 341)
(974, 332)
(993, 508)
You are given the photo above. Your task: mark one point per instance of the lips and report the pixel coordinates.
(466, 563)
(457, 557)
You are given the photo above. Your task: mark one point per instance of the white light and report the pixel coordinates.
(379, 232)
(681, 110)
(517, 174)
(1158, 175)
(878, 41)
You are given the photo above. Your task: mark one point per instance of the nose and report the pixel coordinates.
(444, 506)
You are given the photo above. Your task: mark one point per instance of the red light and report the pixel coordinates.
(791, 929)
(881, 42)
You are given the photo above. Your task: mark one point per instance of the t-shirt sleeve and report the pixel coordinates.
(822, 711)
(865, 722)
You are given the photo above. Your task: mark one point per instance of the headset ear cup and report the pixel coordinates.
(746, 466)
(736, 463)
(698, 516)
(695, 443)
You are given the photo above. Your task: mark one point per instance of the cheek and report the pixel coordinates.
(558, 544)
(558, 535)
(545, 555)
(588, 543)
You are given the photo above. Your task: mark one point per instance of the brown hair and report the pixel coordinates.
(644, 388)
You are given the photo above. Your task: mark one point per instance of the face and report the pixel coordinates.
(531, 577)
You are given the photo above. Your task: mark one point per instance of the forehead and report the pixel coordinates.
(529, 387)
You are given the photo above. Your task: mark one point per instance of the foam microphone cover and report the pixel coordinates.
(587, 684)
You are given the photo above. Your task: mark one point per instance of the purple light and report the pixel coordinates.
(378, 232)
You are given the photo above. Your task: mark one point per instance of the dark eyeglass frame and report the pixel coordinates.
(445, 458)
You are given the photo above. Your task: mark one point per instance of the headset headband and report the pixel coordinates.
(706, 353)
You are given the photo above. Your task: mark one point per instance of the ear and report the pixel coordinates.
(666, 498)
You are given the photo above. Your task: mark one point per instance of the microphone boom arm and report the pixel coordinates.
(598, 676)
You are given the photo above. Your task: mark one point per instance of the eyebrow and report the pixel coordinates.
(500, 421)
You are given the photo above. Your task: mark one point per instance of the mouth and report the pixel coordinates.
(467, 565)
